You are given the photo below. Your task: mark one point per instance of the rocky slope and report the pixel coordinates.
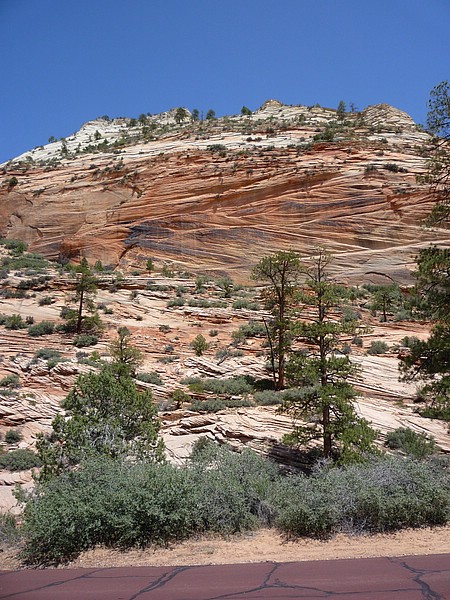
(217, 195)
(212, 196)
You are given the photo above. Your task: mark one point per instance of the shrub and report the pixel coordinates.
(175, 302)
(394, 168)
(164, 328)
(45, 301)
(223, 353)
(167, 272)
(213, 332)
(10, 381)
(84, 340)
(152, 377)
(199, 345)
(213, 405)
(409, 341)
(42, 328)
(417, 445)
(250, 329)
(26, 261)
(244, 303)
(47, 354)
(384, 495)
(16, 246)
(14, 322)
(234, 386)
(109, 503)
(377, 347)
(178, 397)
(124, 505)
(12, 436)
(9, 531)
(268, 398)
(19, 460)
(357, 341)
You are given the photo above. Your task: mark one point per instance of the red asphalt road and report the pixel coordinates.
(405, 578)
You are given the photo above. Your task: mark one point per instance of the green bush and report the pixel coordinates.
(26, 261)
(235, 386)
(47, 354)
(213, 405)
(19, 460)
(244, 303)
(176, 302)
(268, 398)
(152, 377)
(249, 330)
(124, 505)
(14, 322)
(8, 293)
(409, 341)
(16, 246)
(10, 381)
(84, 340)
(199, 345)
(45, 301)
(418, 445)
(12, 436)
(9, 531)
(377, 347)
(384, 495)
(42, 328)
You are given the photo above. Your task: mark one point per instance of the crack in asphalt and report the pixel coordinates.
(53, 584)
(271, 580)
(161, 581)
(427, 592)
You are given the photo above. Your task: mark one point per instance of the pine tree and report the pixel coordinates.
(323, 403)
(85, 290)
(429, 361)
(281, 271)
(438, 122)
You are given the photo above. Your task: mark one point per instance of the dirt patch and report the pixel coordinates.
(264, 545)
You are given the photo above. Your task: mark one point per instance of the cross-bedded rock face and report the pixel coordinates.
(217, 195)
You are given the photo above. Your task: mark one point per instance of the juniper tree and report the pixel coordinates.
(106, 415)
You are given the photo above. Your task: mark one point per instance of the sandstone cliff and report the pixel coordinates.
(217, 195)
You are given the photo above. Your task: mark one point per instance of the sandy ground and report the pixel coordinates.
(264, 545)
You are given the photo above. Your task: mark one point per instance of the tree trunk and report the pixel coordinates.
(80, 312)
(326, 433)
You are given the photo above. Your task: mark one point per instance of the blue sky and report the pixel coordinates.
(65, 62)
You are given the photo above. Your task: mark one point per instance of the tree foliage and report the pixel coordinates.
(438, 122)
(324, 407)
(429, 361)
(106, 415)
(181, 114)
(124, 354)
(84, 317)
(385, 299)
(281, 271)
